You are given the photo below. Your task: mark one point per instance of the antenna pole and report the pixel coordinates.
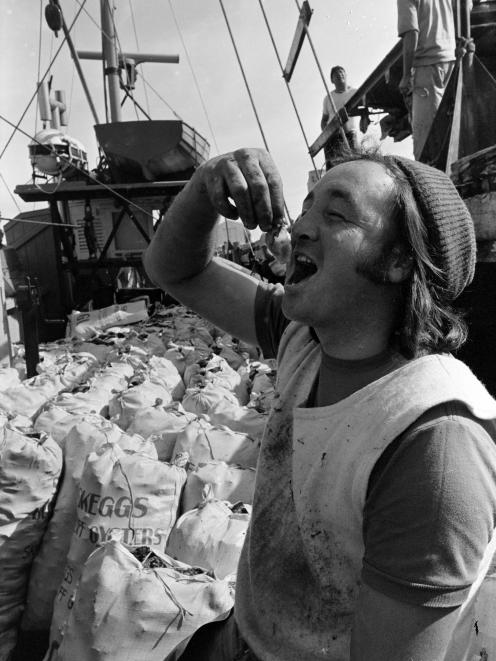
(110, 59)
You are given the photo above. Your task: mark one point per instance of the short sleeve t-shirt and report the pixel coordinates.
(434, 22)
(431, 502)
(340, 98)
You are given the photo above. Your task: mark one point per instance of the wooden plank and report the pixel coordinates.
(301, 30)
(340, 118)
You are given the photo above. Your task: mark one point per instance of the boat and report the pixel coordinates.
(103, 219)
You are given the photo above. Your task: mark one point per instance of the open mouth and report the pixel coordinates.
(303, 268)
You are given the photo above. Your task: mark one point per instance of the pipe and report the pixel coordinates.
(139, 57)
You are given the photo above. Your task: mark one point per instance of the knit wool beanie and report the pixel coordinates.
(449, 224)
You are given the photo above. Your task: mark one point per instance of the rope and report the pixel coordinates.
(93, 20)
(244, 76)
(16, 126)
(194, 76)
(138, 48)
(76, 167)
(136, 104)
(333, 105)
(247, 87)
(287, 85)
(37, 222)
(162, 99)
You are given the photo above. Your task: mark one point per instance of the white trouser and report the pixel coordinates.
(429, 83)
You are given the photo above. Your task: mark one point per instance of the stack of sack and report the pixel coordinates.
(146, 440)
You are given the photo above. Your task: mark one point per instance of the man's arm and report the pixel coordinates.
(244, 184)
(409, 41)
(324, 121)
(386, 629)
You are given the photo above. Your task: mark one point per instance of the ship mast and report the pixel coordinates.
(113, 60)
(111, 63)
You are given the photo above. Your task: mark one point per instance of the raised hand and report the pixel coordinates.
(245, 184)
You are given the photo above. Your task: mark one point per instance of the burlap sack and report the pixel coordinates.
(70, 368)
(29, 471)
(214, 371)
(124, 611)
(177, 353)
(161, 424)
(121, 495)
(9, 378)
(263, 388)
(124, 406)
(82, 401)
(238, 418)
(120, 368)
(200, 400)
(29, 397)
(88, 434)
(220, 481)
(57, 422)
(211, 536)
(204, 442)
(168, 373)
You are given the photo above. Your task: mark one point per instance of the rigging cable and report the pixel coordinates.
(138, 48)
(16, 126)
(194, 77)
(287, 84)
(136, 104)
(162, 99)
(248, 90)
(317, 61)
(37, 222)
(244, 76)
(10, 193)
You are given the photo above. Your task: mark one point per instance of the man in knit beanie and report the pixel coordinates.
(373, 525)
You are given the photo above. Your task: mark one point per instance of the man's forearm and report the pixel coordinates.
(410, 40)
(184, 242)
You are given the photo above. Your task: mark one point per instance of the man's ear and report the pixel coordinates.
(400, 265)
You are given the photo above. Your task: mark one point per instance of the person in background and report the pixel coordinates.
(427, 31)
(374, 513)
(341, 93)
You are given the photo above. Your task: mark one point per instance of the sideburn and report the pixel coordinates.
(374, 266)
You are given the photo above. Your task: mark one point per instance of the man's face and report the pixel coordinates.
(338, 78)
(343, 228)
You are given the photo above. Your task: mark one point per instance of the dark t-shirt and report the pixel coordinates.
(431, 502)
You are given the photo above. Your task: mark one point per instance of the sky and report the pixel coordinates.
(206, 88)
